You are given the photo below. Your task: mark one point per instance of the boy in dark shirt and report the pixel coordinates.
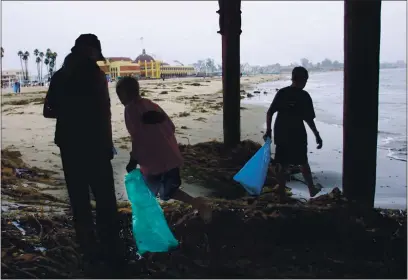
(293, 105)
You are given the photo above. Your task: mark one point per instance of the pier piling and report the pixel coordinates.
(362, 28)
(230, 30)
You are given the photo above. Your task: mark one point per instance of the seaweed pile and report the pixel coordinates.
(203, 104)
(21, 183)
(244, 240)
(25, 101)
(213, 165)
(263, 237)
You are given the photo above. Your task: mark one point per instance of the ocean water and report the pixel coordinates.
(326, 90)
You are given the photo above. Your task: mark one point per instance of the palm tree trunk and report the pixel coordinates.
(26, 70)
(22, 67)
(38, 71)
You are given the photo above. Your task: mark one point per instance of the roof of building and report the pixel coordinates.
(178, 63)
(118, 58)
(11, 71)
(144, 57)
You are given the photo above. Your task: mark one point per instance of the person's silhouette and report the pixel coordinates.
(78, 98)
(293, 105)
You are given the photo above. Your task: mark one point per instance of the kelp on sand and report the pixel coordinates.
(25, 184)
(244, 240)
(248, 238)
(212, 165)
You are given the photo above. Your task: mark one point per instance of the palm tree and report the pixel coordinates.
(42, 63)
(48, 55)
(46, 62)
(26, 55)
(55, 59)
(52, 64)
(20, 54)
(37, 61)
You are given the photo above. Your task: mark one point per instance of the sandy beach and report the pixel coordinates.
(194, 104)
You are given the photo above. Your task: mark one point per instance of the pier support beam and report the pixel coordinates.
(230, 29)
(362, 26)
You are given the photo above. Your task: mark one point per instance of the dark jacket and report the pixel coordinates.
(78, 97)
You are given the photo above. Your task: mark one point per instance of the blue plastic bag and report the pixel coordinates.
(150, 229)
(252, 176)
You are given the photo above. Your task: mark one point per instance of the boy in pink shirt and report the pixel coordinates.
(154, 146)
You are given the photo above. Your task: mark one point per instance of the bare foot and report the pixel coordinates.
(315, 190)
(204, 210)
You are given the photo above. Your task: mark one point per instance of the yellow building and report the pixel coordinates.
(149, 68)
(119, 67)
(156, 69)
(176, 70)
(144, 66)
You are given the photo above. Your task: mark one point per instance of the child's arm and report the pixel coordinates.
(131, 129)
(271, 111)
(132, 164)
(309, 116)
(51, 99)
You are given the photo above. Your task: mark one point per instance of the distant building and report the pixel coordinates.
(144, 66)
(116, 67)
(7, 75)
(156, 69)
(149, 68)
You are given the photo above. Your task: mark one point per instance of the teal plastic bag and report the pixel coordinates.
(150, 229)
(252, 176)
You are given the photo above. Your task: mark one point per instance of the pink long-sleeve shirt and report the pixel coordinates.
(154, 146)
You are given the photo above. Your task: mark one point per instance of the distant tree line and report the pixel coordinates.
(49, 59)
(209, 66)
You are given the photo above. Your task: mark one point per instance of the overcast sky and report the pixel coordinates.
(273, 32)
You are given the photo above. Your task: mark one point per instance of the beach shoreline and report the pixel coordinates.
(195, 106)
(326, 163)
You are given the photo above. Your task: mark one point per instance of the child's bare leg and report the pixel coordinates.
(307, 174)
(198, 203)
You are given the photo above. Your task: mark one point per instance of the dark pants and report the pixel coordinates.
(165, 184)
(295, 154)
(84, 171)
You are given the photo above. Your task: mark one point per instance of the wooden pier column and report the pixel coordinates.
(230, 29)
(362, 26)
